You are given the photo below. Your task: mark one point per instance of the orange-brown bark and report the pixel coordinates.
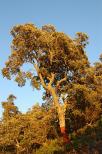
(66, 138)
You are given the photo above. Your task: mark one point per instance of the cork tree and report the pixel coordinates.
(57, 61)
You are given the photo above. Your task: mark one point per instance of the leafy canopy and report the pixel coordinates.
(53, 52)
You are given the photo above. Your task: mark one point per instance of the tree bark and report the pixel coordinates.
(61, 116)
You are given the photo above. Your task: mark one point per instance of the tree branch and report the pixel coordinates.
(51, 79)
(62, 80)
(40, 76)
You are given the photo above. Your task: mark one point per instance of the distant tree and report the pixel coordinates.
(61, 67)
(10, 110)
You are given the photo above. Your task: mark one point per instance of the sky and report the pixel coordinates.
(69, 16)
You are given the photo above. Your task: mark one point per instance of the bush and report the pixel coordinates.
(51, 147)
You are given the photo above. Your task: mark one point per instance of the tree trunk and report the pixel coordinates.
(61, 116)
(62, 125)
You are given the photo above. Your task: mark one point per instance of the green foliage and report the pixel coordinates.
(72, 85)
(10, 110)
(51, 147)
(23, 132)
(35, 133)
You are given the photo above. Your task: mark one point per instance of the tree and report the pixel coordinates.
(59, 61)
(23, 133)
(10, 110)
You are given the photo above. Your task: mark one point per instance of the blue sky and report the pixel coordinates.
(69, 16)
